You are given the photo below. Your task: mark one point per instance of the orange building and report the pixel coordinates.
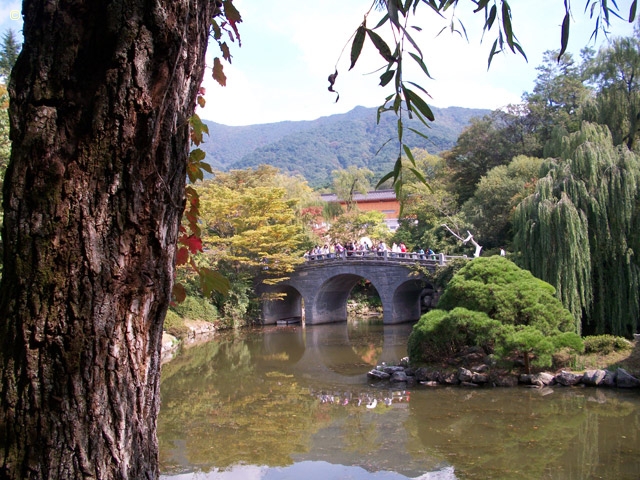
(384, 201)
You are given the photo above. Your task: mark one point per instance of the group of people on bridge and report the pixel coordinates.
(363, 247)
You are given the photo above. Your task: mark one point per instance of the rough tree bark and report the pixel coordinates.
(101, 98)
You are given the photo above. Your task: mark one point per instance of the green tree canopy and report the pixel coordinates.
(615, 72)
(558, 95)
(497, 194)
(488, 142)
(348, 182)
(353, 225)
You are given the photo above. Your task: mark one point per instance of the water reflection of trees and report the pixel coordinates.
(261, 420)
(517, 433)
(245, 401)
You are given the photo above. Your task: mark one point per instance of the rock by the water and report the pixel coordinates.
(504, 380)
(398, 377)
(544, 378)
(625, 380)
(378, 375)
(448, 378)
(593, 377)
(392, 369)
(479, 378)
(568, 379)
(464, 375)
(609, 379)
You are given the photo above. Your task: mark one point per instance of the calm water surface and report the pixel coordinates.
(295, 403)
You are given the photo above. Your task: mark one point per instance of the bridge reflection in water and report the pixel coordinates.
(318, 289)
(319, 352)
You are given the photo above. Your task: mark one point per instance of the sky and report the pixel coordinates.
(289, 48)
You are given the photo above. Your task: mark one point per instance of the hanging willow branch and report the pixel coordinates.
(578, 231)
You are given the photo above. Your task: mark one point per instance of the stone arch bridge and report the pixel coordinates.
(319, 288)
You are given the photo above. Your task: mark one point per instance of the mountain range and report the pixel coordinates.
(315, 148)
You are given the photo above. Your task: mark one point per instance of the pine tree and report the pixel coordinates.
(578, 230)
(8, 53)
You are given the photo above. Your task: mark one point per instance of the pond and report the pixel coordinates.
(294, 402)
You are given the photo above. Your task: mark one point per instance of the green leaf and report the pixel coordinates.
(481, 4)
(386, 77)
(494, 50)
(506, 23)
(217, 32)
(383, 145)
(420, 178)
(211, 280)
(407, 152)
(408, 37)
(400, 129)
(381, 45)
(198, 129)
(492, 17)
(420, 62)
(392, 8)
(397, 167)
(418, 132)
(206, 167)
(397, 103)
(419, 87)
(564, 40)
(196, 155)
(521, 51)
(218, 72)
(384, 179)
(382, 21)
(356, 46)
(420, 104)
(632, 11)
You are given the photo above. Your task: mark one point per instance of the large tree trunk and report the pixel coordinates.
(101, 98)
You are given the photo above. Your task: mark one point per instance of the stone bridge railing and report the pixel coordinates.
(371, 255)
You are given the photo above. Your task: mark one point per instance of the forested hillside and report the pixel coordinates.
(316, 148)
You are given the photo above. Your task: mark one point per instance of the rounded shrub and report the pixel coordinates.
(440, 334)
(605, 344)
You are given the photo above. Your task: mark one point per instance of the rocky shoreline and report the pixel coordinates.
(198, 332)
(483, 375)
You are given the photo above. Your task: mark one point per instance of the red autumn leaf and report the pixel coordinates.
(182, 256)
(193, 243)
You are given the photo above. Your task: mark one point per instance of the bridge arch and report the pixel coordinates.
(321, 289)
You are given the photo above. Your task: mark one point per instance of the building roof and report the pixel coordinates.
(374, 196)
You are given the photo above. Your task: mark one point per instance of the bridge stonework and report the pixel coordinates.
(322, 288)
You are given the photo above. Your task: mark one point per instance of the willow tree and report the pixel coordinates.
(578, 231)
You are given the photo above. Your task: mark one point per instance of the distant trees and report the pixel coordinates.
(348, 182)
(8, 54)
(615, 73)
(490, 209)
(353, 225)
